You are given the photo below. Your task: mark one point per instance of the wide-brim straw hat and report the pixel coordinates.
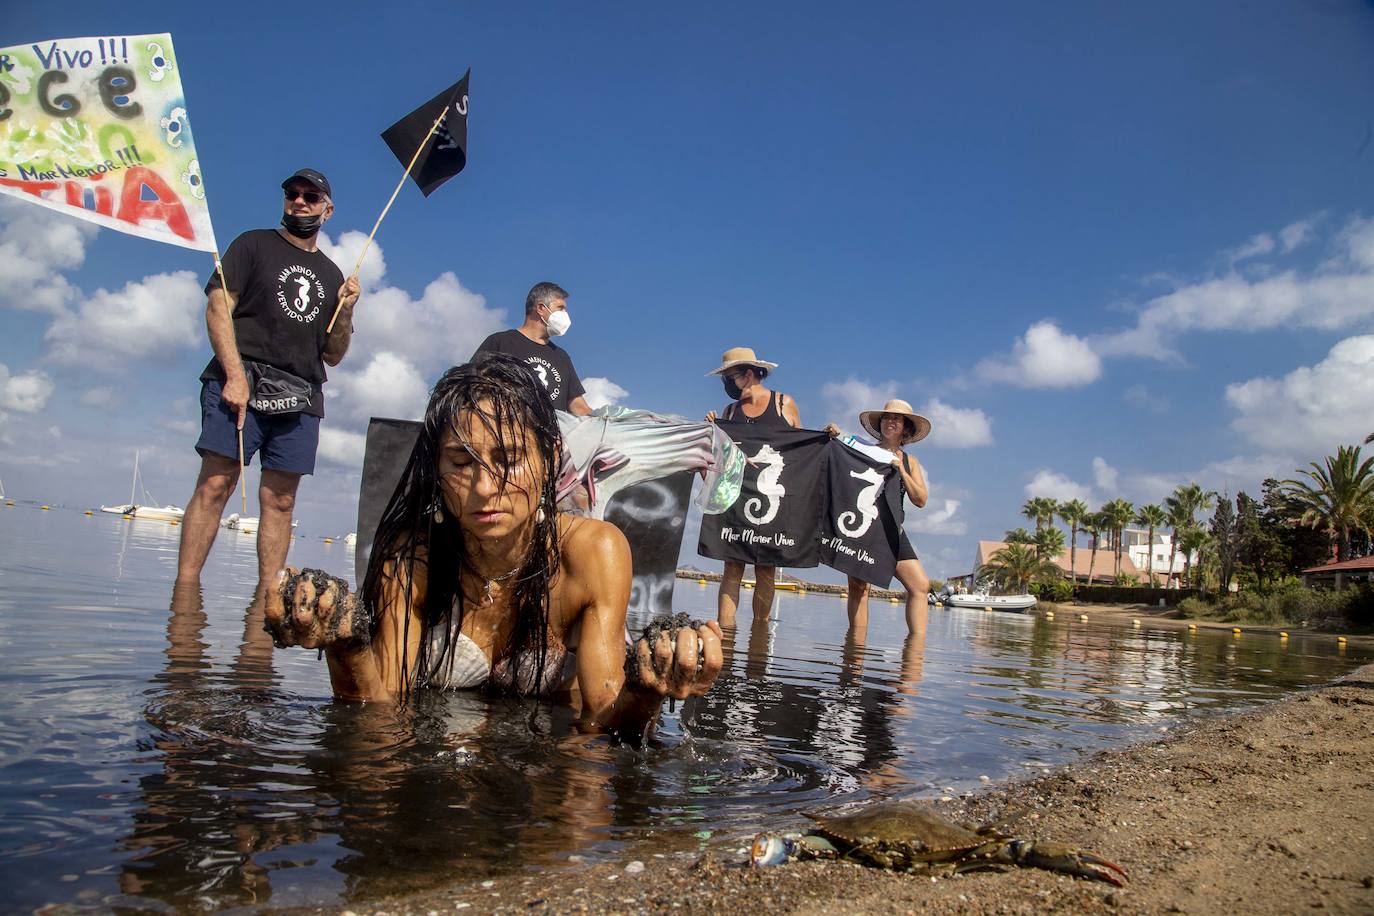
(870, 419)
(741, 356)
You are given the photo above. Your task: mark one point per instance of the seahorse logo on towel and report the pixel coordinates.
(867, 505)
(769, 485)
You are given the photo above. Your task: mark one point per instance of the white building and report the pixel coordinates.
(1139, 550)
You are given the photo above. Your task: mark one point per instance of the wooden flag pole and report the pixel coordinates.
(243, 481)
(400, 184)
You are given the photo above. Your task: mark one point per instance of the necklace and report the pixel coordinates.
(488, 583)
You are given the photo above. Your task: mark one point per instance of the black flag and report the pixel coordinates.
(862, 525)
(447, 151)
(776, 520)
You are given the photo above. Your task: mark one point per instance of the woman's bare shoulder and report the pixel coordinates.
(590, 540)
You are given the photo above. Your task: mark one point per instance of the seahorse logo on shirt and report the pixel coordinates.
(769, 485)
(867, 505)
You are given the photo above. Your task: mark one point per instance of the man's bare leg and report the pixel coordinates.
(218, 475)
(277, 498)
(727, 600)
(764, 577)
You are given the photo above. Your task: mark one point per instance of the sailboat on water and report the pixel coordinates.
(149, 507)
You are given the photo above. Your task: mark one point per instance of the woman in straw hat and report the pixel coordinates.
(895, 426)
(743, 374)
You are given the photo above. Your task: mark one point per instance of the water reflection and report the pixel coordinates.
(159, 754)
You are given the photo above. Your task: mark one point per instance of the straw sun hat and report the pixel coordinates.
(741, 356)
(870, 420)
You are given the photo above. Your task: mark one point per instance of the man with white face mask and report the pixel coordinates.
(546, 316)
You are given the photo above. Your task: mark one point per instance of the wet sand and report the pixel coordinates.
(1269, 811)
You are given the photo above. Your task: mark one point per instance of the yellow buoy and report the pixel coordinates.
(1340, 640)
(893, 601)
(1235, 631)
(129, 517)
(45, 508)
(800, 591)
(1283, 634)
(89, 512)
(329, 540)
(173, 522)
(1049, 615)
(1135, 621)
(1083, 618)
(701, 582)
(1192, 626)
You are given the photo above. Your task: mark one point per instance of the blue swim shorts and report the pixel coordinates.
(288, 441)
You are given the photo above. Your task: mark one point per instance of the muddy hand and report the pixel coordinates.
(677, 657)
(313, 609)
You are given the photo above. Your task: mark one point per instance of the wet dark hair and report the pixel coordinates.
(409, 533)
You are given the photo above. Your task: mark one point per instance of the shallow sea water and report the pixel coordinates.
(157, 754)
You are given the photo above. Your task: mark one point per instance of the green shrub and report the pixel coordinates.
(1196, 607)
(1059, 591)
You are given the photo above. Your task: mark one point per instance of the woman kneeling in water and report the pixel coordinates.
(476, 580)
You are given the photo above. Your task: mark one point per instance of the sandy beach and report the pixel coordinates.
(1268, 811)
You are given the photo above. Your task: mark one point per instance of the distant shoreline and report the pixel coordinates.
(788, 583)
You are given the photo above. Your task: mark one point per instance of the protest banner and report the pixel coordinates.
(97, 128)
(776, 519)
(861, 527)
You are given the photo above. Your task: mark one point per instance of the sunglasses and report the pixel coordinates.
(310, 197)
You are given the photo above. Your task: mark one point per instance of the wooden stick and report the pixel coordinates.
(243, 482)
(400, 184)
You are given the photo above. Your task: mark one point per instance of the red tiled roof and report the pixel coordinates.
(1344, 566)
(1102, 569)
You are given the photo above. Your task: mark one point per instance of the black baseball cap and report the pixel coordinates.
(312, 176)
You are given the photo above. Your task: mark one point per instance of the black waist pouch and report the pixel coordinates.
(273, 390)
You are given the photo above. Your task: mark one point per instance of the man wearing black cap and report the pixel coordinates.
(271, 349)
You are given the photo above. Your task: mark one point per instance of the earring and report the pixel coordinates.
(438, 515)
(539, 514)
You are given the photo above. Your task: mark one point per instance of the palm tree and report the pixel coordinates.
(1073, 513)
(1151, 516)
(1118, 514)
(1015, 565)
(1192, 539)
(1019, 536)
(1049, 543)
(1040, 509)
(1094, 524)
(1182, 506)
(1339, 496)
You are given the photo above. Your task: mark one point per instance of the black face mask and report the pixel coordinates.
(732, 389)
(302, 227)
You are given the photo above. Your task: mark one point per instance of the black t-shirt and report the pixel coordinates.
(550, 363)
(286, 297)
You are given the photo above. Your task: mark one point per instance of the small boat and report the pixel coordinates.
(351, 539)
(995, 602)
(248, 524)
(150, 511)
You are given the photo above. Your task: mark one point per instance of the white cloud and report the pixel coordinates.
(151, 316)
(36, 246)
(1311, 409)
(1258, 245)
(1045, 357)
(55, 432)
(1338, 293)
(26, 393)
(932, 520)
(1057, 486)
(341, 446)
(602, 391)
(386, 386)
(345, 252)
(843, 401)
(1104, 475)
(100, 396)
(955, 427)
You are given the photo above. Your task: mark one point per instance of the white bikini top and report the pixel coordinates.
(458, 663)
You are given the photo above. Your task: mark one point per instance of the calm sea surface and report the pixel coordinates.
(157, 753)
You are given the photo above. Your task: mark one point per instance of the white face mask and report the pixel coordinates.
(558, 323)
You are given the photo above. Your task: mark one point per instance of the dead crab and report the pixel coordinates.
(908, 836)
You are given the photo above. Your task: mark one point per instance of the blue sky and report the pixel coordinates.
(1107, 249)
